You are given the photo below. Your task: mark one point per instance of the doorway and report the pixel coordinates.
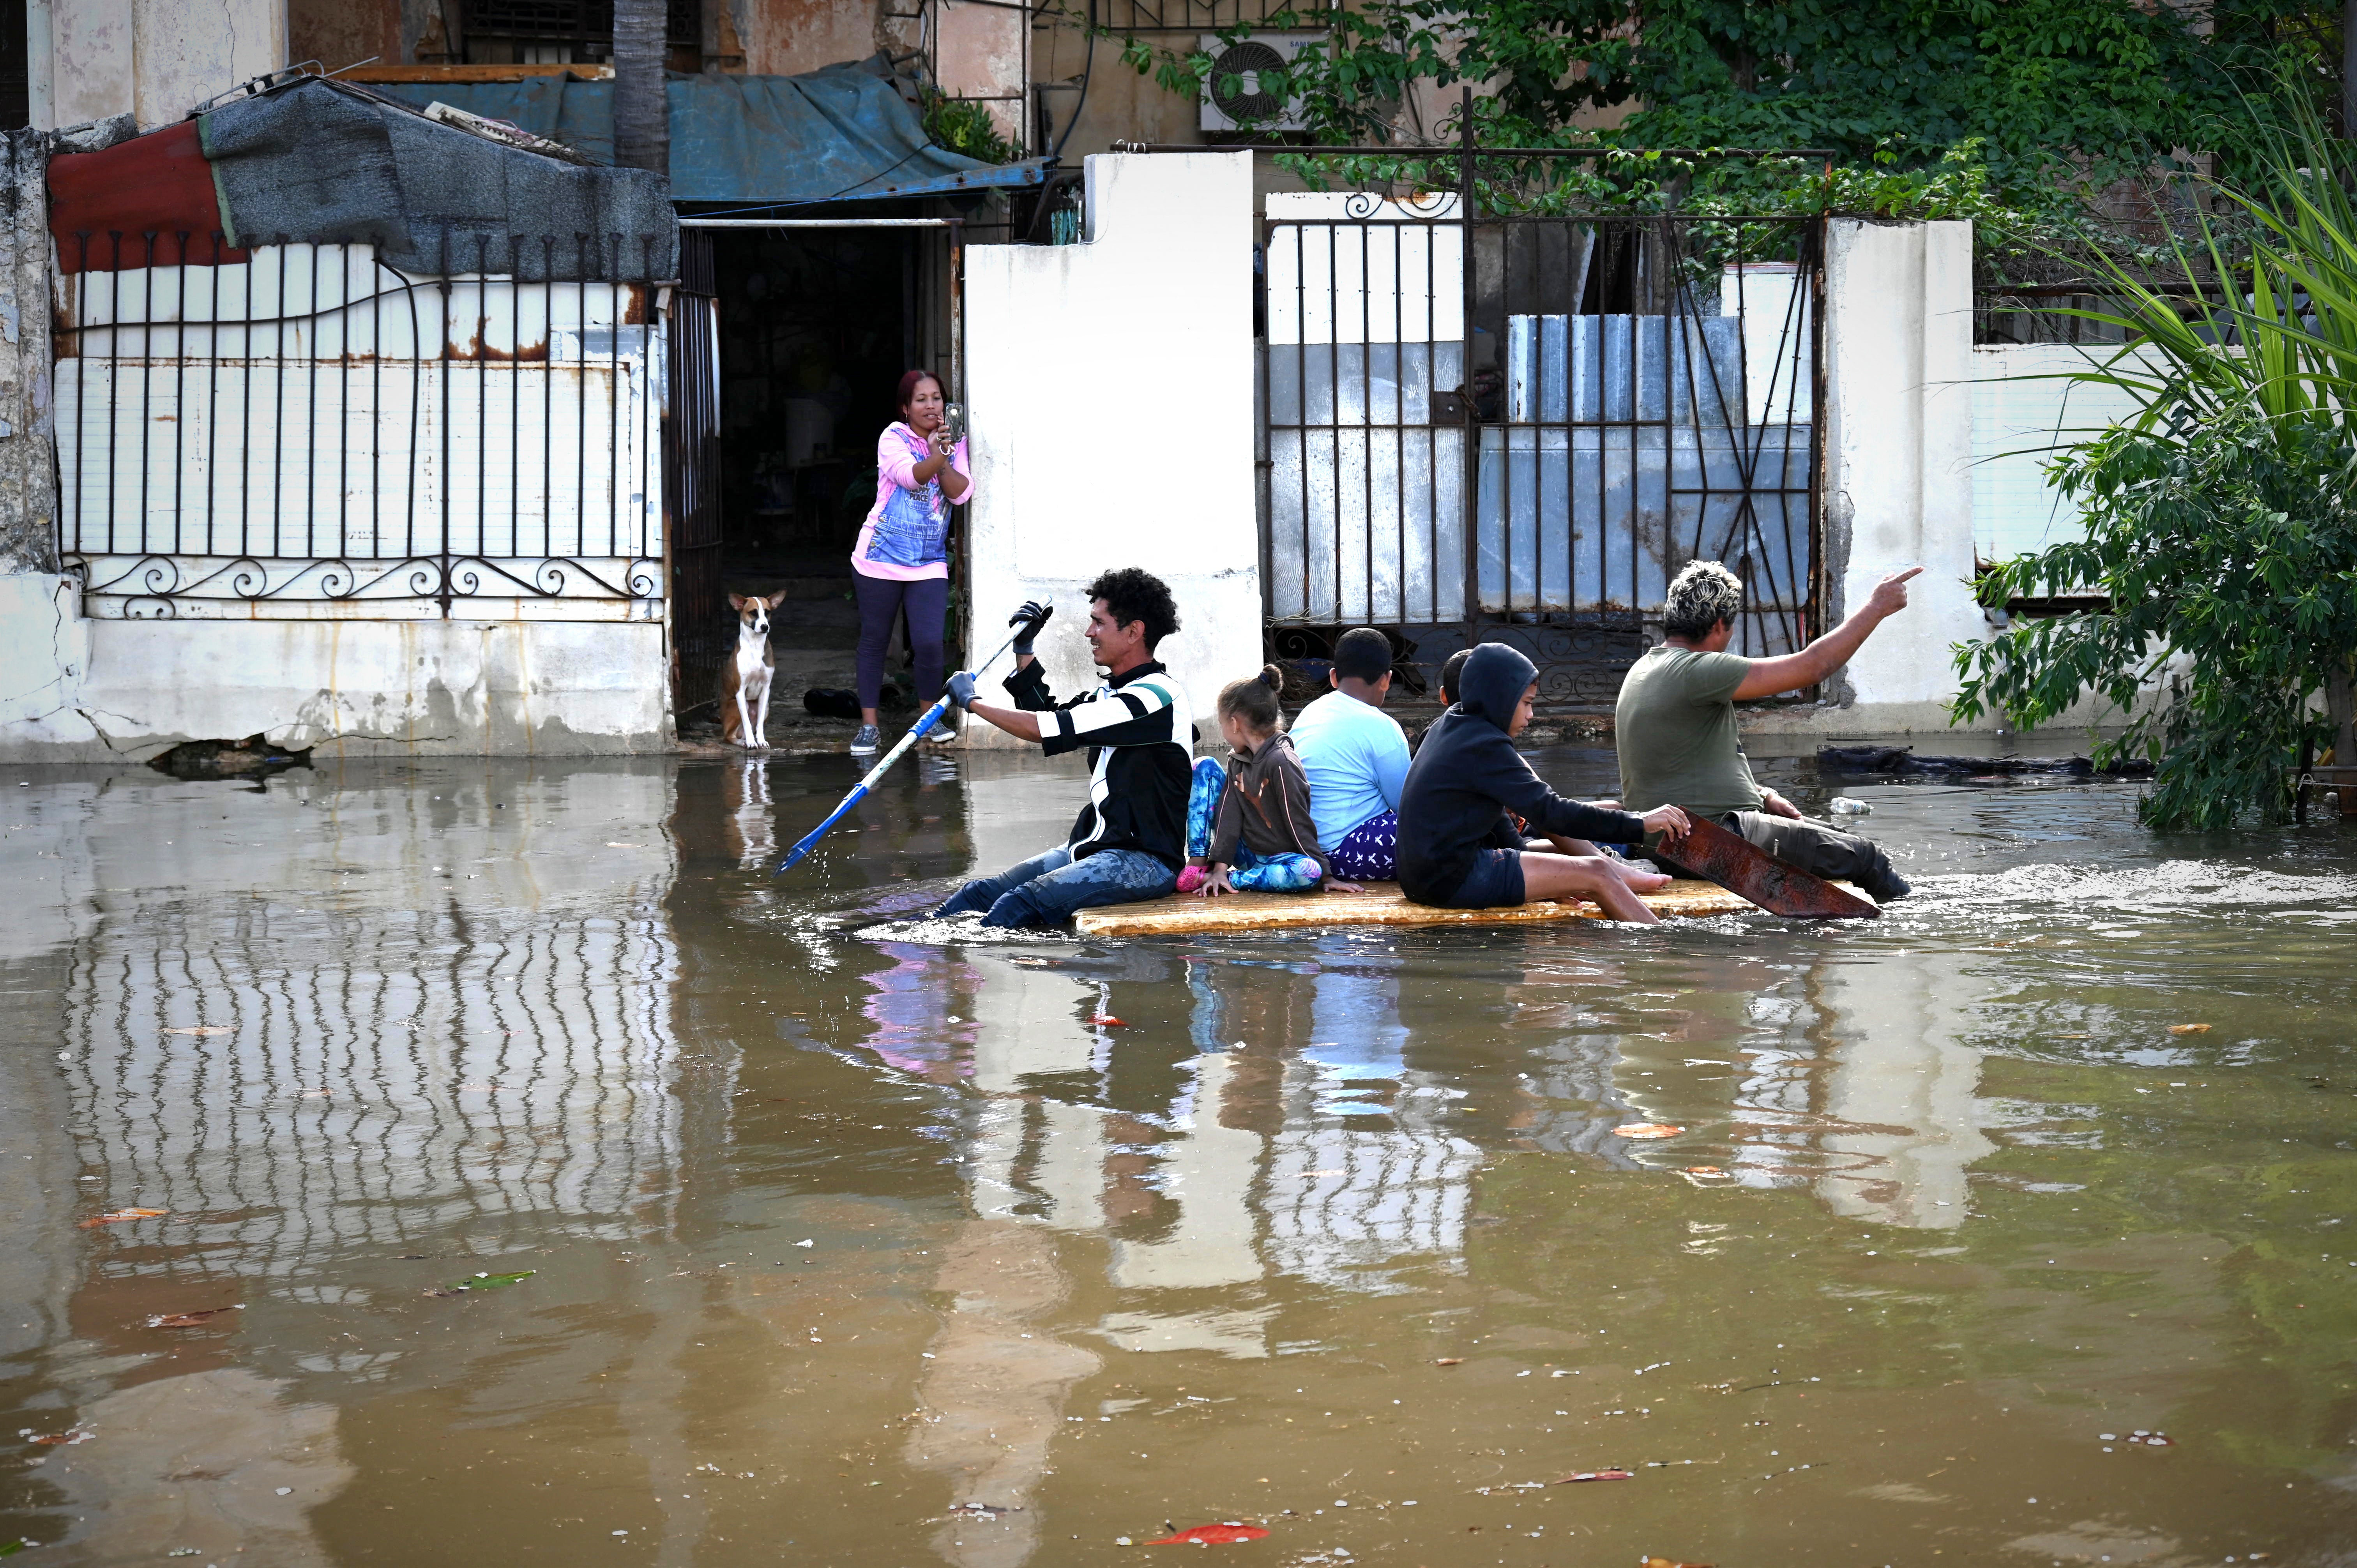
(815, 321)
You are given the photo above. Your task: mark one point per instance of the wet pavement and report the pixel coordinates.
(848, 1239)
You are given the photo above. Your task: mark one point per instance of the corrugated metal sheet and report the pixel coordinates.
(2019, 412)
(1627, 454)
(1366, 319)
(351, 462)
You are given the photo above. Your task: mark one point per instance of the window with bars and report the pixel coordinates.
(1195, 15)
(555, 31)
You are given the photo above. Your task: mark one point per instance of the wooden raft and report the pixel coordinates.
(1380, 905)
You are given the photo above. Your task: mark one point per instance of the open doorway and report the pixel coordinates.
(816, 320)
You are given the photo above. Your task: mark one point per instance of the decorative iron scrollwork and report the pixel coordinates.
(152, 584)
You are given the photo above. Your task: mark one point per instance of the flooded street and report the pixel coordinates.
(2014, 1227)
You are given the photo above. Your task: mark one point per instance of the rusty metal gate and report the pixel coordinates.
(1496, 426)
(702, 633)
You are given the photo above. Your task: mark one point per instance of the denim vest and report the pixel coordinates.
(913, 527)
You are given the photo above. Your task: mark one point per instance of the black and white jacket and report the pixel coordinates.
(1141, 746)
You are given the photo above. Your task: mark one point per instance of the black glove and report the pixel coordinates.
(1029, 620)
(960, 690)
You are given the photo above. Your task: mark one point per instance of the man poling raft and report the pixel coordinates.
(1131, 838)
(1675, 730)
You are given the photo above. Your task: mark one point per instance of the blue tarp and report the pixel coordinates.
(840, 134)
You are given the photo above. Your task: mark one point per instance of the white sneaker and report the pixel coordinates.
(868, 742)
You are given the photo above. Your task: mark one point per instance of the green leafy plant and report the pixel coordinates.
(2048, 102)
(963, 126)
(2217, 518)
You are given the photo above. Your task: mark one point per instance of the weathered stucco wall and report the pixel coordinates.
(73, 690)
(1111, 384)
(153, 58)
(27, 483)
(1898, 485)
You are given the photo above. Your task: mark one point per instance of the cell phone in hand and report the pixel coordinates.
(953, 422)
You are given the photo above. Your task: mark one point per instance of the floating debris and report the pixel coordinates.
(189, 1319)
(484, 1281)
(120, 1215)
(1648, 1130)
(1210, 1535)
(1596, 1476)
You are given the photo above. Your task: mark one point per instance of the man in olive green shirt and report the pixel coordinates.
(1676, 733)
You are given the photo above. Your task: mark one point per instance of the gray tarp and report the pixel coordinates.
(320, 162)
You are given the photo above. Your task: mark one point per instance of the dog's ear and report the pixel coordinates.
(776, 598)
(737, 601)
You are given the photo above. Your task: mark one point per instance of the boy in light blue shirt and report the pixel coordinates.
(1355, 755)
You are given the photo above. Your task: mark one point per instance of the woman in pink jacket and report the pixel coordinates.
(902, 557)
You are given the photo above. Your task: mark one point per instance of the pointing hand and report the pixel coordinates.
(1889, 595)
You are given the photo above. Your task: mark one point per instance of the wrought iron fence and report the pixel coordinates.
(298, 429)
(1503, 425)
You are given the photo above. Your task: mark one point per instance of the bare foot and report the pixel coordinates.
(1640, 879)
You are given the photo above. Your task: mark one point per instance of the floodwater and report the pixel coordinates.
(850, 1240)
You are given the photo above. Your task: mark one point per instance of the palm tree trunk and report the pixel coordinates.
(641, 104)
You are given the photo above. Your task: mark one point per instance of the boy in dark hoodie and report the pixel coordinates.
(1460, 846)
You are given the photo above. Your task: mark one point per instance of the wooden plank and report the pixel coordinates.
(1735, 862)
(468, 73)
(1380, 904)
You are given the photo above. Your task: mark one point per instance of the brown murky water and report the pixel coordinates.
(850, 1245)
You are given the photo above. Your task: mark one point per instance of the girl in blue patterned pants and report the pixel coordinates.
(1248, 824)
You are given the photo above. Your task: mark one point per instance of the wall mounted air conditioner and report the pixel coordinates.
(1248, 108)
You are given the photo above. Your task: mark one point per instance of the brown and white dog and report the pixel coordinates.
(745, 678)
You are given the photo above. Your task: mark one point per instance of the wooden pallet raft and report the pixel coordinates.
(1380, 904)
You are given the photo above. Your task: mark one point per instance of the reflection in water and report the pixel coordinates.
(853, 1247)
(291, 1081)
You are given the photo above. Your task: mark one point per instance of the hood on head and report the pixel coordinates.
(1492, 683)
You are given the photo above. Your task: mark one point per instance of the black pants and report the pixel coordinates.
(1820, 850)
(880, 600)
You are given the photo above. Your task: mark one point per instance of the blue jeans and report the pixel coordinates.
(1049, 889)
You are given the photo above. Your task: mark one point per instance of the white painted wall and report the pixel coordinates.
(1898, 441)
(153, 60)
(74, 690)
(1111, 384)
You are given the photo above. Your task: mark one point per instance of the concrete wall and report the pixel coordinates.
(155, 59)
(74, 690)
(1897, 489)
(1111, 384)
(27, 465)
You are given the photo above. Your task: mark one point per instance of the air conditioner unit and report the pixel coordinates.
(1248, 108)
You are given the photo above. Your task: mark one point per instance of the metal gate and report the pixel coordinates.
(701, 632)
(1492, 426)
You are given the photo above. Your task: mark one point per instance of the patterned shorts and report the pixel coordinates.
(1369, 851)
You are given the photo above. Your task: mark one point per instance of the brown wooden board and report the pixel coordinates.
(1736, 863)
(1380, 904)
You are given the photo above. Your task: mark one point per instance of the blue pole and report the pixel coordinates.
(932, 717)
